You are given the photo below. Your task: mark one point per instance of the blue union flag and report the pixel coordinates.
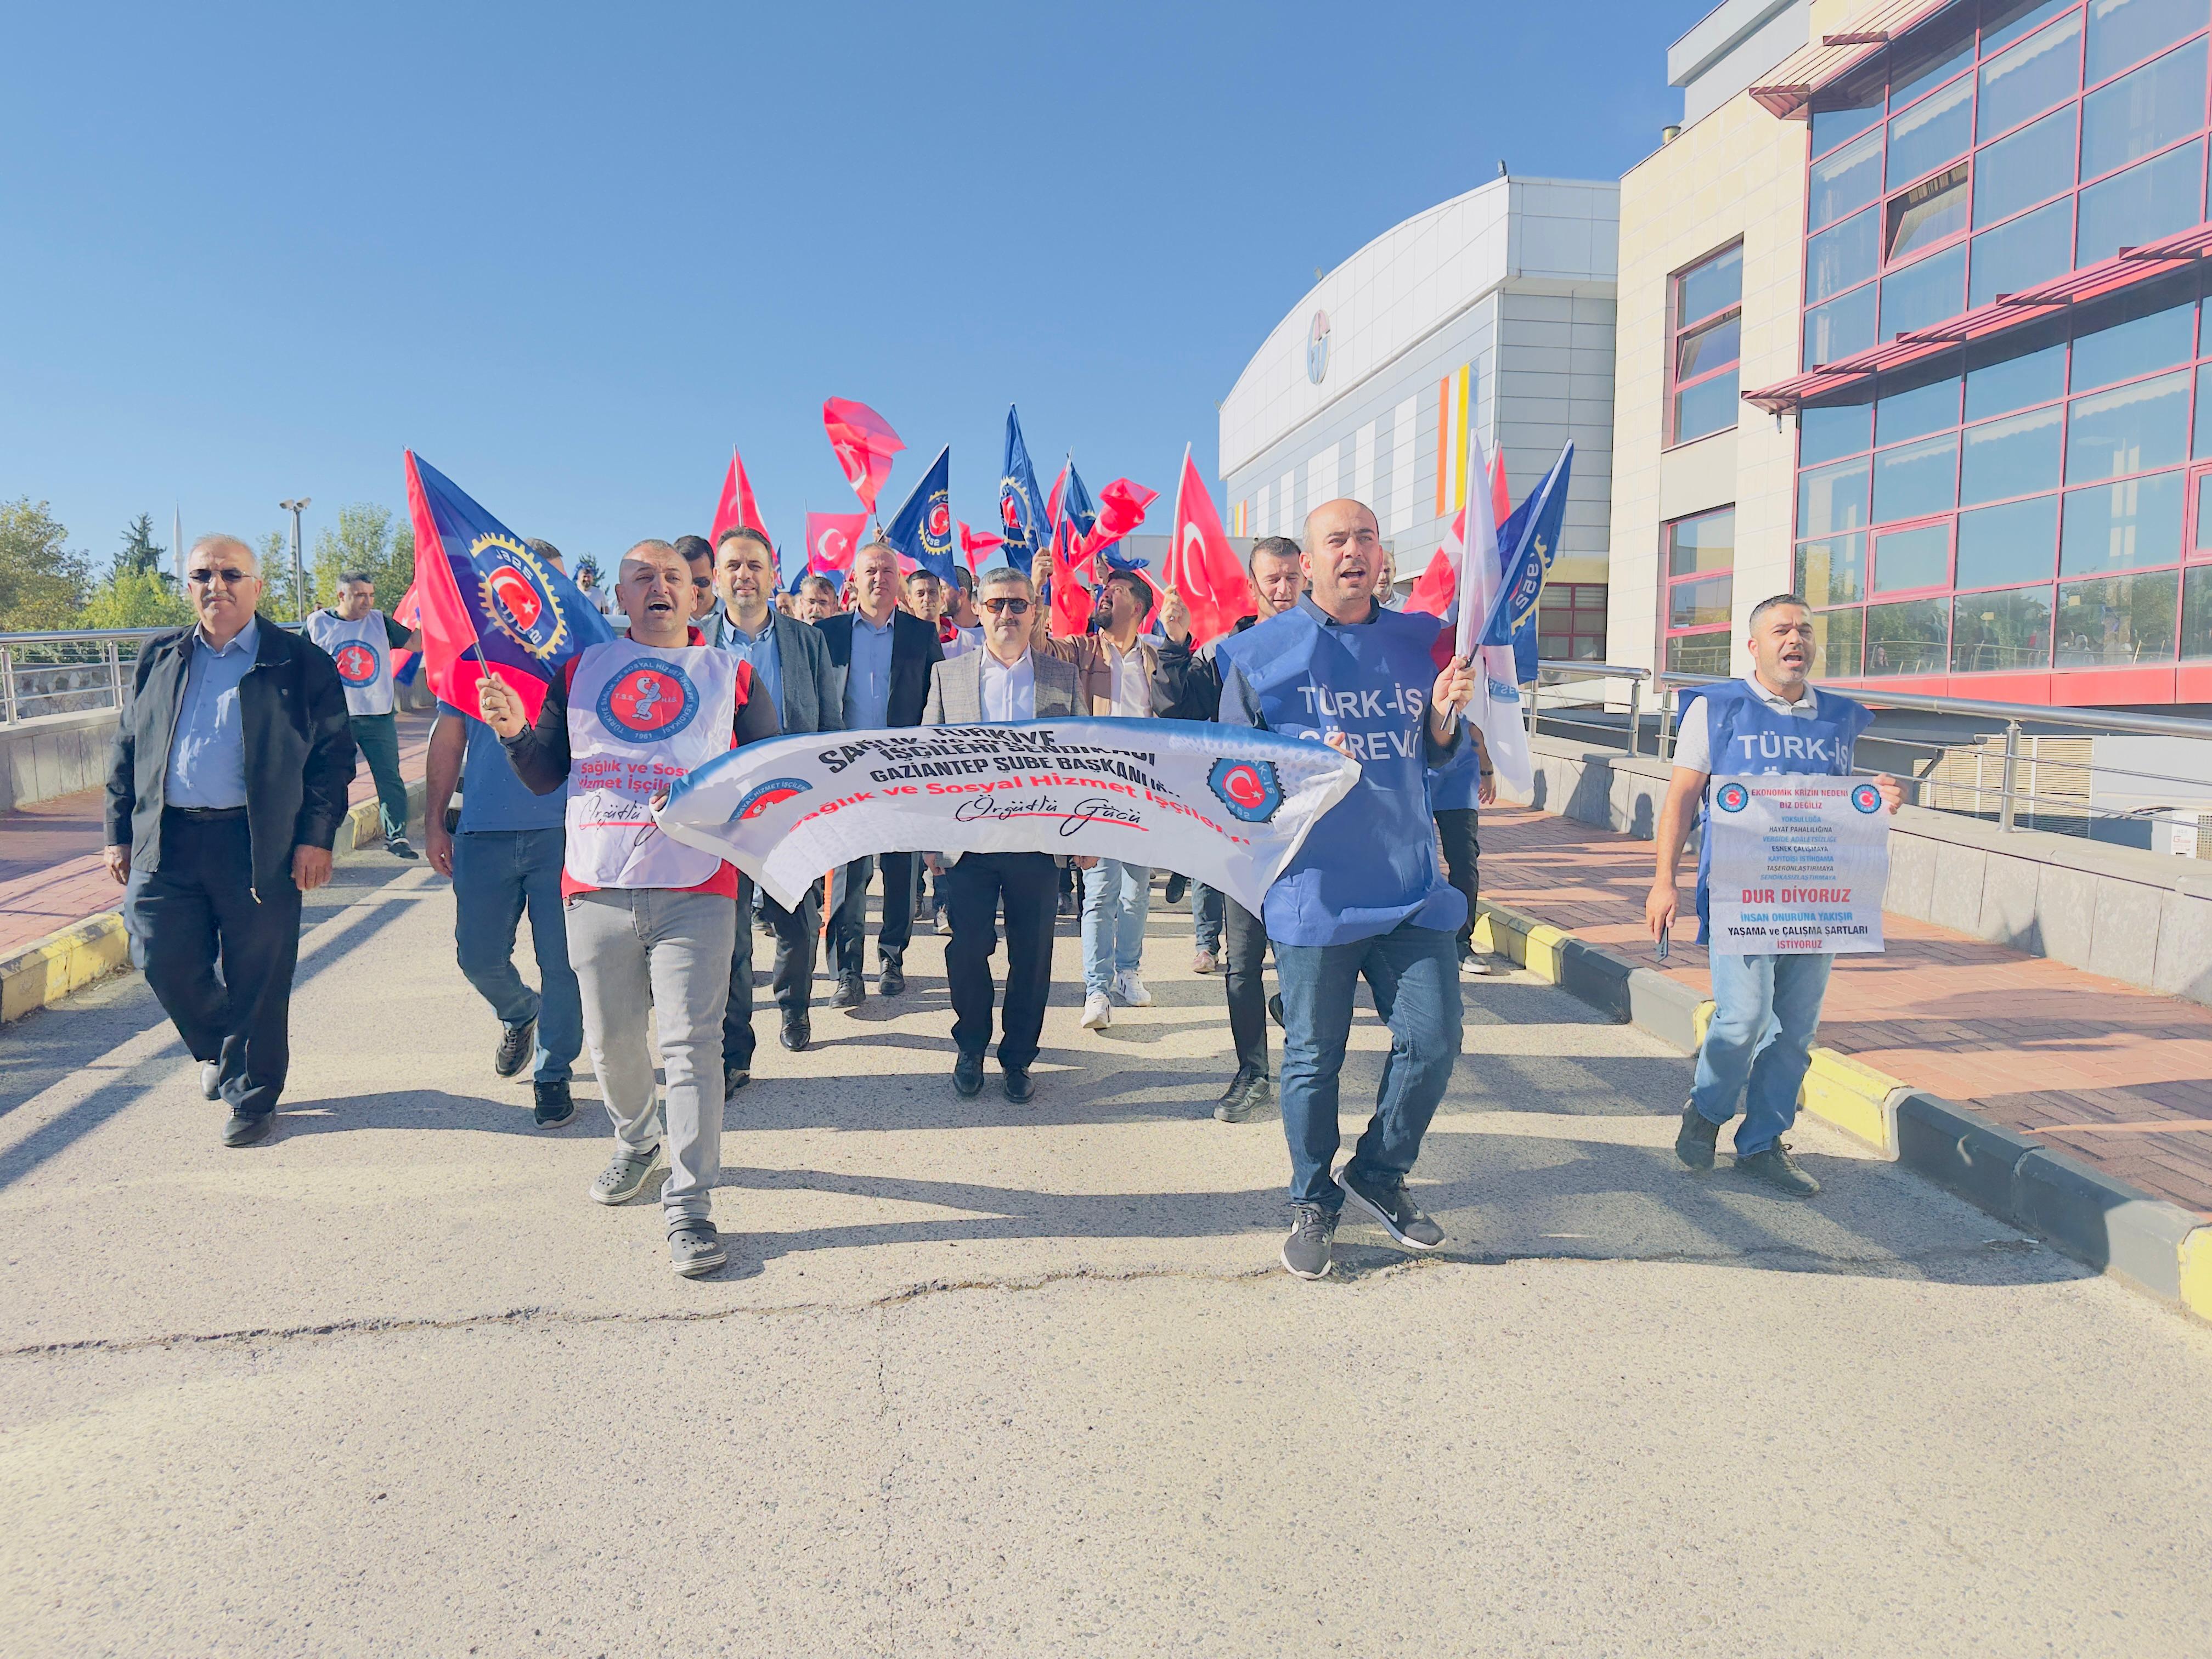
(1528, 544)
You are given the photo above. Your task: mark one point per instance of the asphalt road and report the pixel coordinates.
(990, 1380)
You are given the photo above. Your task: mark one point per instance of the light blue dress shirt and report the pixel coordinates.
(207, 760)
(761, 650)
(868, 681)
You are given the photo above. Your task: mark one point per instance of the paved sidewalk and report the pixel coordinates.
(52, 874)
(2116, 1076)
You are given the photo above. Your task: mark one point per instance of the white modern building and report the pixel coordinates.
(1495, 307)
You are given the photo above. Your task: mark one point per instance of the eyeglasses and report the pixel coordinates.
(1006, 607)
(228, 574)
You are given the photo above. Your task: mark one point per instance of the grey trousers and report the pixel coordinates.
(644, 953)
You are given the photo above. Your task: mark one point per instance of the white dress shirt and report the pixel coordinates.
(1007, 693)
(1133, 687)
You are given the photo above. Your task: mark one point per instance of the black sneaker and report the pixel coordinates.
(1307, 1251)
(1017, 1079)
(1397, 1213)
(398, 847)
(967, 1075)
(849, 994)
(797, 1033)
(735, 1078)
(1248, 1094)
(1694, 1141)
(1779, 1170)
(1177, 886)
(890, 977)
(515, 1043)
(555, 1106)
(1275, 1009)
(244, 1128)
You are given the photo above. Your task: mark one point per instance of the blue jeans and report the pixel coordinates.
(1116, 899)
(1205, 914)
(1767, 1010)
(1414, 972)
(497, 874)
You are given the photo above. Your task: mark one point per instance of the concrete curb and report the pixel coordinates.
(2155, 1246)
(48, 969)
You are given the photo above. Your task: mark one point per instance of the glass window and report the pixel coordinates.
(2122, 526)
(1914, 480)
(1836, 635)
(2157, 105)
(1928, 213)
(2030, 78)
(1697, 546)
(1700, 556)
(2133, 344)
(1699, 653)
(1843, 112)
(1701, 603)
(2017, 542)
(2151, 199)
(1844, 182)
(1708, 344)
(1924, 294)
(1827, 430)
(2012, 378)
(2117, 622)
(1912, 411)
(2018, 172)
(2132, 429)
(2197, 614)
(1706, 408)
(2124, 32)
(1709, 349)
(1906, 638)
(1840, 328)
(1907, 559)
(2204, 413)
(1932, 132)
(2014, 456)
(1930, 56)
(2203, 517)
(1832, 572)
(1710, 287)
(2033, 248)
(2004, 22)
(1833, 498)
(1843, 256)
(1993, 632)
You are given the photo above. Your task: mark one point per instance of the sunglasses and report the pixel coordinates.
(228, 574)
(1003, 607)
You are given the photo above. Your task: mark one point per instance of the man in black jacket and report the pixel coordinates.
(791, 659)
(225, 788)
(880, 661)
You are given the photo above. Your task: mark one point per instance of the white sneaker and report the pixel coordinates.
(1131, 990)
(1097, 1012)
(1475, 964)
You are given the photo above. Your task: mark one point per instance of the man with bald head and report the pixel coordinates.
(225, 787)
(1364, 896)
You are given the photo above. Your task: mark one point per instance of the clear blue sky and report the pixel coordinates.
(571, 254)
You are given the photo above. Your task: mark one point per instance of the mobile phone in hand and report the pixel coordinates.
(1662, 947)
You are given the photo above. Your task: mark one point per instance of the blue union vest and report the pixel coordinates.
(1370, 863)
(1748, 737)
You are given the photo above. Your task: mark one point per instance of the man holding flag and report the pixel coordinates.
(1364, 895)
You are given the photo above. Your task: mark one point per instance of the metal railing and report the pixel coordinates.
(70, 671)
(2016, 765)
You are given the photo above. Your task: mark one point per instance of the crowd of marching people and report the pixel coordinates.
(232, 766)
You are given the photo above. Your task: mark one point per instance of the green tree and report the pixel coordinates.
(42, 583)
(274, 550)
(364, 539)
(140, 550)
(137, 598)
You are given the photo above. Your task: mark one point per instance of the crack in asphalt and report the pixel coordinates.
(1363, 1266)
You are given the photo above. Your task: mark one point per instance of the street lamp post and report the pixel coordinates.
(299, 582)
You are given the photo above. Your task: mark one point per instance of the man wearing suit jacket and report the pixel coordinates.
(880, 657)
(1004, 681)
(793, 660)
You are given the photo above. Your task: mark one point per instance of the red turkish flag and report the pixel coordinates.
(1071, 599)
(1121, 508)
(978, 548)
(865, 444)
(1436, 589)
(1201, 566)
(736, 509)
(832, 539)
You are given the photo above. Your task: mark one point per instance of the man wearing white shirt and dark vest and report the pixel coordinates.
(1767, 1008)
(1004, 681)
(790, 660)
(226, 785)
(361, 639)
(651, 923)
(880, 657)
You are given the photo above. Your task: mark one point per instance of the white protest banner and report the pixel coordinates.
(1223, 805)
(1799, 863)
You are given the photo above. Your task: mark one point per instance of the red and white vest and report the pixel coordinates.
(363, 651)
(640, 717)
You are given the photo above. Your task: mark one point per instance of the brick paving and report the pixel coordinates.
(2117, 1076)
(51, 870)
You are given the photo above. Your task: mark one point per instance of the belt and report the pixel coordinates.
(206, 814)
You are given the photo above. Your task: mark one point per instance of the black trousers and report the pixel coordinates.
(848, 910)
(219, 958)
(1456, 829)
(1245, 936)
(791, 980)
(1029, 885)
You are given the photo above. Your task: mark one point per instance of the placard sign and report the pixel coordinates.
(1799, 864)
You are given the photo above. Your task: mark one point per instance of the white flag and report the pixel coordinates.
(1496, 710)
